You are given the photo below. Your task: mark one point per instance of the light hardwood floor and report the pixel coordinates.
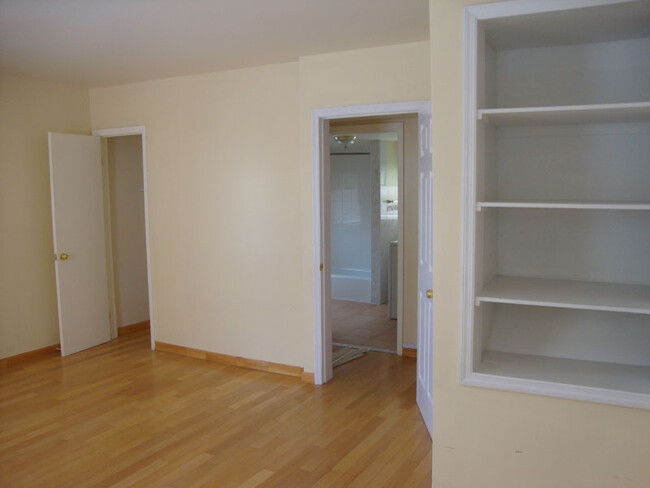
(120, 415)
(363, 324)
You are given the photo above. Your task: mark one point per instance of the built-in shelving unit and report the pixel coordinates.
(556, 238)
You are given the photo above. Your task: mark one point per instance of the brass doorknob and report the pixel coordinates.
(429, 293)
(63, 256)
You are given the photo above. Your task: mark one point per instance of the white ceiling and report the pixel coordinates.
(103, 42)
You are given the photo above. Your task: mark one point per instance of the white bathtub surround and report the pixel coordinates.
(355, 217)
(376, 250)
(362, 178)
(351, 284)
(392, 281)
(389, 204)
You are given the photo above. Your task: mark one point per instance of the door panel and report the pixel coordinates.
(326, 254)
(79, 232)
(425, 273)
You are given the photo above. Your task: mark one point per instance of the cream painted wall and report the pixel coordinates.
(224, 207)
(377, 75)
(28, 110)
(488, 438)
(128, 229)
(230, 193)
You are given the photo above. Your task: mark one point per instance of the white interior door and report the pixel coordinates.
(326, 253)
(79, 241)
(425, 273)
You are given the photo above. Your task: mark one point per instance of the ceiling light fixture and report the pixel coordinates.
(345, 140)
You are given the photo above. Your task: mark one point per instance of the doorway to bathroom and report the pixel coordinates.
(364, 222)
(415, 232)
(368, 204)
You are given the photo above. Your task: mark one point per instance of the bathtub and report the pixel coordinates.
(351, 284)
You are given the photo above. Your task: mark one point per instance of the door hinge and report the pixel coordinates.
(322, 266)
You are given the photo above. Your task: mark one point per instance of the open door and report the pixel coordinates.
(325, 265)
(425, 273)
(79, 241)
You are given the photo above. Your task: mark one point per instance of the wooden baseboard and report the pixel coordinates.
(129, 329)
(238, 361)
(26, 356)
(409, 352)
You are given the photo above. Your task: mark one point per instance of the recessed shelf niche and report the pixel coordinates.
(556, 237)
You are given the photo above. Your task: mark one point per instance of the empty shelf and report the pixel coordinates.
(612, 376)
(567, 114)
(566, 205)
(567, 294)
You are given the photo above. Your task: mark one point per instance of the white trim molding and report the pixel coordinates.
(526, 7)
(322, 333)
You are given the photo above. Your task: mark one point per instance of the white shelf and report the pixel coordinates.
(567, 114)
(567, 294)
(610, 376)
(566, 205)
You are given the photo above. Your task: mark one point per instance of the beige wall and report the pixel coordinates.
(224, 206)
(128, 229)
(378, 75)
(230, 191)
(28, 110)
(489, 438)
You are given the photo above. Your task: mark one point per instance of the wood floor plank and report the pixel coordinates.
(122, 415)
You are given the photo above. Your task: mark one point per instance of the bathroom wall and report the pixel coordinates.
(351, 193)
(389, 231)
(362, 178)
(354, 193)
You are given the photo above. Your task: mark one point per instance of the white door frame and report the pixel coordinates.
(320, 117)
(119, 132)
(398, 128)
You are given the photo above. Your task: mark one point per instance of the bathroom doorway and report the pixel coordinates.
(415, 237)
(365, 166)
(373, 229)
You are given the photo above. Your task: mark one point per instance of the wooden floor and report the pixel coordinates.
(120, 415)
(363, 324)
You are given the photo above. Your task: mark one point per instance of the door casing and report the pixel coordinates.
(320, 172)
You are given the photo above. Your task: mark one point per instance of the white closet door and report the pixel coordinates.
(425, 274)
(79, 241)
